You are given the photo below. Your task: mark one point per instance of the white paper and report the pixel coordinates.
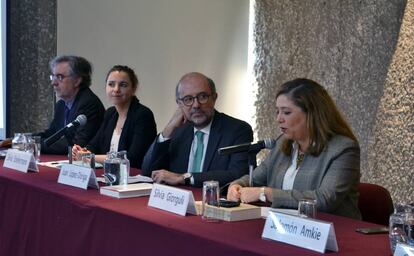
(58, 164)
(139, 178)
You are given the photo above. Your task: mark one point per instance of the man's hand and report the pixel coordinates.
(164, 176)
(177, 120)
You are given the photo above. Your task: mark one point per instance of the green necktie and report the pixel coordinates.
(198, 155)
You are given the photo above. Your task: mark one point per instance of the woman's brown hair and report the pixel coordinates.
(323, 119)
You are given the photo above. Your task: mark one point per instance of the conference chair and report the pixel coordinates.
(375, 203)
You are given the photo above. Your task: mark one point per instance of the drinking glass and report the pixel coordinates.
(37, 147)
(211, 191)
(307, 208)
(19, 141)
(88, 160)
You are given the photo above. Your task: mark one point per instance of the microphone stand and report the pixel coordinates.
(69, 138)
(252, 164)
(70, 145)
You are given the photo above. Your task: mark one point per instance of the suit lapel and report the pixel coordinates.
(74, 110)
(127, 124)
(188, 136)
(283, 165)
(213, 141)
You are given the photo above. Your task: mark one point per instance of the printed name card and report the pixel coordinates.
(175, 200)
(77, 176)
(20, 161)
(404, 250)
(307, 233)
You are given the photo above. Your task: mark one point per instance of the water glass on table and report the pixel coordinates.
(211, 197)
(37, 147)
(88, 160)
(307, 208)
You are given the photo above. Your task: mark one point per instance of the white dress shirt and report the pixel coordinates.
(291, 172)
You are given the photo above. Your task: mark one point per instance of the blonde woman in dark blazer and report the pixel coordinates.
(317, 156)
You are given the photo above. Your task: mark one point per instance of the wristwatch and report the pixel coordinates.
(262, 196)
(187, 178)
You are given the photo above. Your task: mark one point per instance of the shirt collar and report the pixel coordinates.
(295, 150)
(69, 104)
(205, 130)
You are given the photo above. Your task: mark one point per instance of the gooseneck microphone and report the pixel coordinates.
(248, 147)
(79, 121)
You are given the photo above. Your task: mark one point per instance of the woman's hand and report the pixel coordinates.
(250, 194)
(77, 152)
(233, 193)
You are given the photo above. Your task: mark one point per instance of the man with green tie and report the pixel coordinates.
(186, 150)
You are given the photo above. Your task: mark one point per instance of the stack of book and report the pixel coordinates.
(241, 212)
(127, 191)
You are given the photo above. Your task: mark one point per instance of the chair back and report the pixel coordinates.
(375, 203)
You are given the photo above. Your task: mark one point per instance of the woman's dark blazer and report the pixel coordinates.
(137, 134)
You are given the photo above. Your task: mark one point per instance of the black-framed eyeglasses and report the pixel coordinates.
(59, 77)
(202, 98)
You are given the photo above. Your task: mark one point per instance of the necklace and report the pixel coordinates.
(299, 159)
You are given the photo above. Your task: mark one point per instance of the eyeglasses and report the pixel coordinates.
(59, 77)
(202, 98)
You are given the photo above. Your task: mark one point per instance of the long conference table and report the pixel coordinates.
(39, 216)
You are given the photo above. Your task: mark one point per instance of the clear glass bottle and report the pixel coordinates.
(124, 168)
(397, 233)
(19, 141)
(409, 227)
(112, 166)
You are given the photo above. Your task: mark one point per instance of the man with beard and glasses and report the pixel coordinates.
(185, 152)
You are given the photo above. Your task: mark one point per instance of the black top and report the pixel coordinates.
(137, 134)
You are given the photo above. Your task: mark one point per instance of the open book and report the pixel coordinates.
(127, 191)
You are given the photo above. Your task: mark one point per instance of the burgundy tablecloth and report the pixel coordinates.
(38, 216)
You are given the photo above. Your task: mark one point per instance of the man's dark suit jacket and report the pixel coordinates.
(137, 133)
(87, 103)
(225, 131)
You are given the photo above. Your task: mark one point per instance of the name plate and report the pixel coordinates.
(307, 233)
(20, 161)
(77, 176)
(404, 250)
(170, 199)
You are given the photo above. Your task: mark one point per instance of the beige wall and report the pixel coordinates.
(162, 40)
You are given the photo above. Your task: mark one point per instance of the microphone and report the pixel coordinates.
(79, 121)
(249, 147)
